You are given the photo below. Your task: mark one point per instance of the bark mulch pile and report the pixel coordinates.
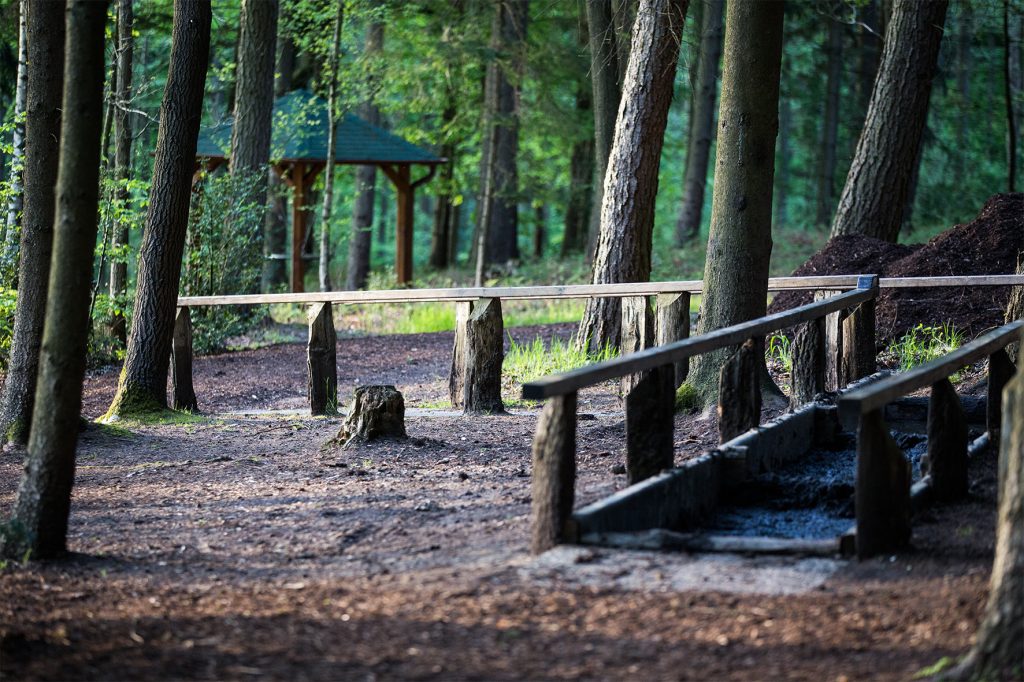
(988, 245)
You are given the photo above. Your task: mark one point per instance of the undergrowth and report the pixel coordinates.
(922, 344)
(532, 360)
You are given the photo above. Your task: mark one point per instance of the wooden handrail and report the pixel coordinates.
(875, 396)
(568, 382)
(775, 284)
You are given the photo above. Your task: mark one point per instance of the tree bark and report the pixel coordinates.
(275, 225)
(122, 163)
(16, 203)
(870, 38)
(45, 75)
(873, 200)
(1011, 55)
(444, 234)
(332, 146)
(143, 383)
(1015, 306)
(702, 123)
(581, 188)
(40, 519)
(631, 182)
(781, 190)
(740, 239)
(830, 128)
(360, 243)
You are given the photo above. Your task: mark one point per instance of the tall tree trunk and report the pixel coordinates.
(781, 190)
(631, 183)
(874, 198)
(830, 128)
(275, 225)
(254, 104)
(360, 243)
(41, 512)
(604, 73)
(143, 382)
(9, 240)
(540, 230)
(965, 31)
(122, 163)
(581, 188)
(332, 146)
(42, 103)
(1011, 57)
(740, 240)
(508, 40)
(702, 123)
(870, 39)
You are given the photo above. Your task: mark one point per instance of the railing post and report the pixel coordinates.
(181, 362)
(882, 497)
(833, 342)
(650, 411)
(672, 323)
(739, 392)
(553, 485)
(322, 360)
(858, 337)
(457, 375)
(808, 373)
(947, 443)
(637, 334)
(1000, 371)
(484, 355)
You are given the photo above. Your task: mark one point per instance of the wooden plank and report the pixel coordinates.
(882, 497)
(484, 355)
(858, 356)
(559, 384)
(457, 375)
(966, 280)
(1000, 371)
(321, 361)
(672, 323)
(946, 462)
(833, 327)
(877, 395)
(181, 362)
(553, 484)
(637, 334)
(650, 408)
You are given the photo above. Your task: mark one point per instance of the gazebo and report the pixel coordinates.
(298, 152)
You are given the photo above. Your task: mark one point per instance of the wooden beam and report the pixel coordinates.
(637, 334)
(947, 444)
(882, 497)
(650, 409)
(484, 354)
(298, 183)
(1000, 371)
(553, 484)
(181, 362)
(457, 375)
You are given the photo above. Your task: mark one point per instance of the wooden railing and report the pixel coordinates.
(883, 490)
(841, 326)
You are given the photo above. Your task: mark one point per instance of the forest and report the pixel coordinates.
(511, 339)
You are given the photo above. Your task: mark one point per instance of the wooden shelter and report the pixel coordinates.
(298, 152)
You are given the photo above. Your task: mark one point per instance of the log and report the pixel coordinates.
(321, 359)
(637, 334)
(882, 497)
(672, 323)
(650, 409)
(457, 375)
(808, 374)
(739, 392)
(1000, 371)
(858, 344)
(833, 342)
(663, 539)
(181, 362)
(377, 412)
(485, 352)
(553, 485)
(946, 461)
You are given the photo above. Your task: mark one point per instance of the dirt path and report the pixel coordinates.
(240, 547)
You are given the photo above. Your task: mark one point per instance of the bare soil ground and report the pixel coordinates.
(242, 546)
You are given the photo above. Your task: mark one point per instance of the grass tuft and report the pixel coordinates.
(923, 344)
(529, 361)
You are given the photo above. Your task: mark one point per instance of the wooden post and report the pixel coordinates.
(739, 392)
(673, 324)
(637, 333)
(858, 356)
(321, 359)
(650, 409)
(833, 342)
(808, 374)
(1000, 371)
(484, 353)
(882, 498)
(457, 375)
(553, 485)
(298, 182)
(181, 362)
(947, 444)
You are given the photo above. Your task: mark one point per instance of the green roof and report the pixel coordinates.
(300, 133)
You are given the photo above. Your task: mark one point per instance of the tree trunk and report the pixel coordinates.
(360, 243)
(631, 182)
(740, 239)
(143, 383)
(1015, 306)
(604, 72)
(870, 38)
(275, 225)
(581, 188)
(44, 497)
(332, 146)
(42, 103)
(964, 34)
(702, 123)
(830, 129)
(780, 196)
(508, 38)
(540, 230)
(14, 206)
(122, 163)
(874, 198)
(1012, 54)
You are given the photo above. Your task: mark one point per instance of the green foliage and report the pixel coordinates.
(778, 350)
(8, 256)
(687, 398)
(923, 344)
(8, 301)
(532, 360)
(933, 669)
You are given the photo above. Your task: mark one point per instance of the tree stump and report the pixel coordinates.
(637, 334)
(947, 443)
(808, 374)
(673, 324)
(739, 393)
(376, 412)
(833, 342)
(457, 375)
(322, 361)
(484, 353)
(181, 362)
(858, 344)
(553, 484)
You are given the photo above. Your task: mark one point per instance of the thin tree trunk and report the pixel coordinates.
(740, 240)
(332, 146)
(781, 191)
(14, 207)
(581, 188)
(965, 30)
(275, 225)
(540, 230)
(631, 183)
(830, 129)
(143, 383)
(44, 497)
(1012, 51)
(702, 123)
(874, 198)
(122, 164)
(45, 76)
